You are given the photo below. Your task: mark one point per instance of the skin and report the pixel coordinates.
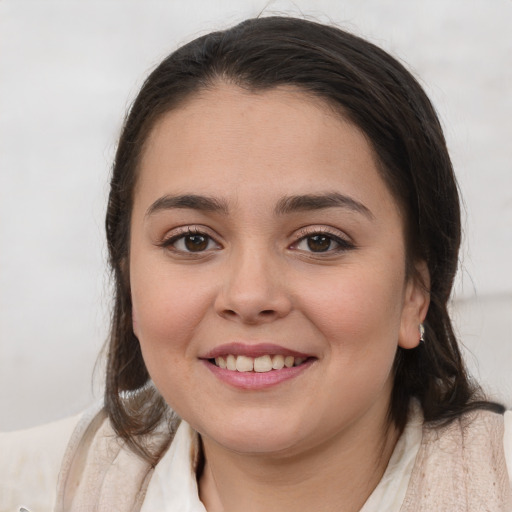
(257, 280)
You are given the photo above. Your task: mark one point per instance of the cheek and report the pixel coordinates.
(357, 310)
(166, 321)
(167, 309)
(164, 318)
(360, 321)
(355, 314)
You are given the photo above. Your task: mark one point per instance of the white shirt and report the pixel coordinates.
(30, 461)
(174, 486)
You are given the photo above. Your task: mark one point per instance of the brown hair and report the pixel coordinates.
(381, 97)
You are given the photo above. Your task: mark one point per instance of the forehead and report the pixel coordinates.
(228, 141)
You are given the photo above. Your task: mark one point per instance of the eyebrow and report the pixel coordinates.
(311, 202)
(286, 205)
(188, 201)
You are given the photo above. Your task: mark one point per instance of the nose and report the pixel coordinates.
(254, 289)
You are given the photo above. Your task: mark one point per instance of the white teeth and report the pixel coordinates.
(220, 362)
(263, 364)
(277, 362)
(244, 364)
(260, 364)
(231, 362)
(288, 361)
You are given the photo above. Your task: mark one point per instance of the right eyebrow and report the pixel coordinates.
(190, 201)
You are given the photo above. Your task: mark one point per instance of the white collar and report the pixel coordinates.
(389, 494)
(173, 485)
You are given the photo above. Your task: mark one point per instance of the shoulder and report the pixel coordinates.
(497, 426)
(489, 433)
(461, 465)
(30, 462)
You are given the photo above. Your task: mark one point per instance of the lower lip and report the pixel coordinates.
(255, 380)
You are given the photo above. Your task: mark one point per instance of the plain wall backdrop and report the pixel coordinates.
(68, 71)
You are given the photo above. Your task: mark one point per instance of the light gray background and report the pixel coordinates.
(68, 71)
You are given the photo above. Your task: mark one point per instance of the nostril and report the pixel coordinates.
(264, 315)
(265, 312)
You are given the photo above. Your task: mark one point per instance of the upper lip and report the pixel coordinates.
(251, 350)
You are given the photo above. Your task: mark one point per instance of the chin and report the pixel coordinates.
(257, 443)
(254, 437)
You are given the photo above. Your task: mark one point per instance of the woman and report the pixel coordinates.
(283, 225)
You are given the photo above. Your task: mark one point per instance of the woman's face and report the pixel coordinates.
(263, 235)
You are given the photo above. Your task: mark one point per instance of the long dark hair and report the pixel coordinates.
(374, 91)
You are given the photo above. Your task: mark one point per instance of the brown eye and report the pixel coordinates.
(191, 243)
(196, 243)
(319, 243)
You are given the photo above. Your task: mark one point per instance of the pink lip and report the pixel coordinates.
(257, 350)
(257, 381)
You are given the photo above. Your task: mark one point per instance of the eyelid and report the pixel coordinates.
(181, 231)
(322, 230)
(343, 240)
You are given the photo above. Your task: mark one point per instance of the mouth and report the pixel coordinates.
(261, 364)
(256, 366)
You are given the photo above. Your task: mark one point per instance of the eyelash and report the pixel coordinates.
(343, 244)
(168, 243)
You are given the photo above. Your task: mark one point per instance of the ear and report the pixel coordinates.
(415, 307)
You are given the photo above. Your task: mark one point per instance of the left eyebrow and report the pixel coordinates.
(188, 201)
(309, 202)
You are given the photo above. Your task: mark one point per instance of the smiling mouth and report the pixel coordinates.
(262, 364)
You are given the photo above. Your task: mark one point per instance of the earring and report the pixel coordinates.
(422, 332)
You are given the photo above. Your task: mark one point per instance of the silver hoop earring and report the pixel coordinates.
(422, 332)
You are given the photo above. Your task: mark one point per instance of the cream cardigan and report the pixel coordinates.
(30, 461)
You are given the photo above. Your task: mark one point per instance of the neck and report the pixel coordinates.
(339, 475)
